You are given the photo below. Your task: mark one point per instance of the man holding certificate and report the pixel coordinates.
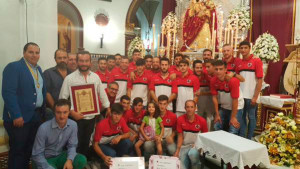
(84, 87)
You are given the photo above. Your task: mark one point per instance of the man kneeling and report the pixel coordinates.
(52, 137)
(111, 136)
(188, 127)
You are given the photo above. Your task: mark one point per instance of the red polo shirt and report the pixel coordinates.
(122, 79)
(139, 87)
(133, 119)
(250, 69)
(191, 130)
(104, 77)
(131, 67)
(186, 87)
(105, 131)
(169, 122)
(233, 64)
(227, 90)
(163, 87)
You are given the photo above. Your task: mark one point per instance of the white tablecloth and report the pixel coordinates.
(233, 149)
(275, 102)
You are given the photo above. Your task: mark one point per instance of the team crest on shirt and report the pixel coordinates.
(226, 86)
(169, 80)
(197, 126)
(232, 65)
(119, 128)
(204, 81)
(168, 120)
(249, 64)
(188, 81)
(145, 79)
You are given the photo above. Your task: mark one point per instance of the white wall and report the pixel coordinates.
(114, 37)
(42, 29)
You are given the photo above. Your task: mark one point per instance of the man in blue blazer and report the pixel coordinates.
(24, 93)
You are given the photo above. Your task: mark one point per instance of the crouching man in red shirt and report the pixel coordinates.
(111, 136)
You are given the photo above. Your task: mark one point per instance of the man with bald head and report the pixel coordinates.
(232, 62)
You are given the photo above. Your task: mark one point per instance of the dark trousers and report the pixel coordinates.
(85, 130)
(124, 147)
(21, 140)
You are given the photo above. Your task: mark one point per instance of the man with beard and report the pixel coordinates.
(136, 55)
(207, 54)
(102, 73)
(161, 84)
(54, 78)
(155, 66)
(118, 59)
(232, 62)
(111, 63)
(82, 76)
(71, 64)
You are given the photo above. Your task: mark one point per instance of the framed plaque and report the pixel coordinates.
(84, 99)
(164, 162)
(128, 163)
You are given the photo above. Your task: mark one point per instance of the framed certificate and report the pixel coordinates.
(164, 162)
(128, 163)
(84, 99)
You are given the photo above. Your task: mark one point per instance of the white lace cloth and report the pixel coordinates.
(233, 149)
(275, 102)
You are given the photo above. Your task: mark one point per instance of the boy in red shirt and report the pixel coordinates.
(111, 136)
(227, 93)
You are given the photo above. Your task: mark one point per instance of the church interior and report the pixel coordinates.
(163, 28)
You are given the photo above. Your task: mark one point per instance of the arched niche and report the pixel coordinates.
(71, 21)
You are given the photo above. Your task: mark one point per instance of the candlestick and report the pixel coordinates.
(236, 37)
(214, 43)
(174, 42)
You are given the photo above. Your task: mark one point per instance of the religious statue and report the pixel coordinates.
(197, 24)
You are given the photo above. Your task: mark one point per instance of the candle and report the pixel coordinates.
(153, 41)
(213, 25)
(168, 44)
(214, 43)
(221, 29)
(162, 36)
(206, 46)
(174, 43)
(231, 39)
(236, 37)
(158, 41)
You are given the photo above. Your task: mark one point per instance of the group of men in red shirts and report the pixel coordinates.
(223, 93)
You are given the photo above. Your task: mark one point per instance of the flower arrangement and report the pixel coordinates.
(240, 17)
(136, 43)
(282, 140)
(170, 23)
(266, 48)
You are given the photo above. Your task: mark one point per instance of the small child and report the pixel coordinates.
(152, 129)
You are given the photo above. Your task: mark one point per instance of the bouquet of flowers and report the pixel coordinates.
(282, 140)
(170, 23)
(136, 43)
(240, 17)
(266, 48)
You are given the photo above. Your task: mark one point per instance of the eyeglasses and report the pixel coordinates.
(113, 89)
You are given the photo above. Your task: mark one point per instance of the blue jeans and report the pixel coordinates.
(125, 147)
(250, 111)
(189, 158)
(225, 116)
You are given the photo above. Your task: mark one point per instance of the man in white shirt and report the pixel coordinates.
(83, 76)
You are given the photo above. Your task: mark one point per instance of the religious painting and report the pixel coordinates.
(66, 34)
